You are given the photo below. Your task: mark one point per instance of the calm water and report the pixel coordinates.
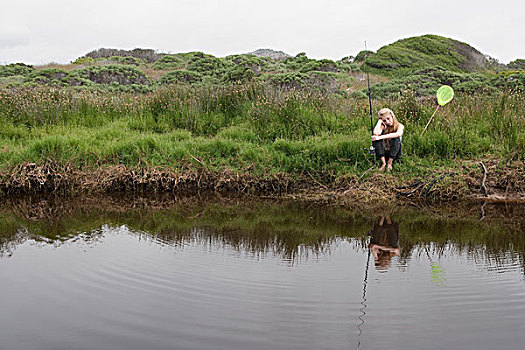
(257, 276)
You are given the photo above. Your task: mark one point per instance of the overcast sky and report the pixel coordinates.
(39, 32)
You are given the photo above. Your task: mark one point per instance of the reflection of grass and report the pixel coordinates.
(259, 227)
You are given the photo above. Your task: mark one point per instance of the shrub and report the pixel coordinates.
(147, 55)
(512, 81)
(362, 55)
(127, 60)
(325, 82)
(84, 61)
(288, 80)
(168, 62)
(15, 69)
(48, 76)
(238, 74)
(426, 81)
(207, 65)
(408, 108)
(518, 64)
(256, 64)
(346, 64)
(181, 76)
(114, 74)
(321, 65)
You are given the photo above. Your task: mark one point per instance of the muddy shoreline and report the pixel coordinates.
(496, 183)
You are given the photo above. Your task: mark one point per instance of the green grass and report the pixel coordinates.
(407, 55)
(249, 125)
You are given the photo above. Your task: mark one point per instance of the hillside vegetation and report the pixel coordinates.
(408, 55)
(420, 64)
(298, 116)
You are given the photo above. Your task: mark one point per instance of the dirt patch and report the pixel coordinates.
(503, 182)
(53, 177)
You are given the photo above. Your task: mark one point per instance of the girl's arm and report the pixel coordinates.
(378, 128)
(392, 135)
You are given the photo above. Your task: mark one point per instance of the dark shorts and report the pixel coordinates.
(395, 151)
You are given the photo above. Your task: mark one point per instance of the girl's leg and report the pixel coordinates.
(389, 164)
(395, 148)
(394, 152)
(383, 163)
(379, 147)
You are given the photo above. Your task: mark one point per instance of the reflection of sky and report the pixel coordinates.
(127, 291)
(496, 251)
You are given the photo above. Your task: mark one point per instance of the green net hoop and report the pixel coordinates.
(444, 95)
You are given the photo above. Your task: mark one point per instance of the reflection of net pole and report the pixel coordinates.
(363, 302)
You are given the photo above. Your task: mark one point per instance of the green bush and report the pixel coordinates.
(288, 80)
(208, 65)
(509, 81)
(324, 82)
(346, 65)
(518, 64)
(181, 76)
(15, 69)
(363, 55)
(169, 62)
(238, 74)
(113, 74)
(147, 55)
(319, 65)
(256, 64)
(126, 60)
(426, 81)
(12, 81)
(48, 76)
(84, 61)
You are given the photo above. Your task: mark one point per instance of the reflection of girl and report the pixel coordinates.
(391, 131)
(384, 243)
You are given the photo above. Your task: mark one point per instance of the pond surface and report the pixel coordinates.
(258, 276)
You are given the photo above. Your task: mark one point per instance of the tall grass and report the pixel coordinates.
(247, 125)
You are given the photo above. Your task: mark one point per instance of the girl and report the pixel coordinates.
(384, 242)
(387, 138)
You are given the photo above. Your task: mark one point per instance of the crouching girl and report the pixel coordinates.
(387, 138)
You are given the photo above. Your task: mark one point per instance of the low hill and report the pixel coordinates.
(276, 55)
(415, 53)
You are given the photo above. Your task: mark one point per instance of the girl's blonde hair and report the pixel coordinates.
(389, 129)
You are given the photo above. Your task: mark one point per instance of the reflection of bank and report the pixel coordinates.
(384, 242)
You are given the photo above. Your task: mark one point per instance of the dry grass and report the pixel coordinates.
(66, 67)
(361, 83)
(153, 74)
(377, 187)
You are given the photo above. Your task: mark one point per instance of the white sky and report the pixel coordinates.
(39, 32)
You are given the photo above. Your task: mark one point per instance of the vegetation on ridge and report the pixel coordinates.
(419, 63)
(297, 115)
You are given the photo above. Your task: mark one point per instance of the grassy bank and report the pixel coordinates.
(250, 128)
